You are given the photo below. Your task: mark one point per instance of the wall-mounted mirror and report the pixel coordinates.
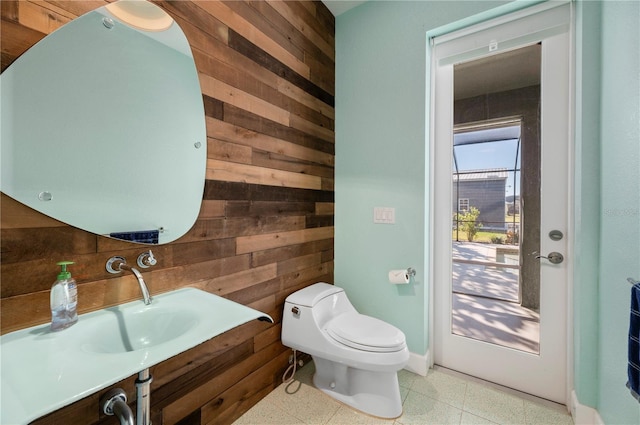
(102, 125)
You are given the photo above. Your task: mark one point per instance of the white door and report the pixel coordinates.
(542, 372)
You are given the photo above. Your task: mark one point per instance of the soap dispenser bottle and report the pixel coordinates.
(64, 299)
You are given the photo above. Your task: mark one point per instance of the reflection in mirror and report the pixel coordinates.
(103, 125)
(495, 290)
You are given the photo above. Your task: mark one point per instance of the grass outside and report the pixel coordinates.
(486, 236)
(481, 237)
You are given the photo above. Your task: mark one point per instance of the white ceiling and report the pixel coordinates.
(338, 7)
(506, 71)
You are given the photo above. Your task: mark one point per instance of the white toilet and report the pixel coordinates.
(357, 357)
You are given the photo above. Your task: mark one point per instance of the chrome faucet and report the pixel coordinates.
(143, 286)
(118, 264)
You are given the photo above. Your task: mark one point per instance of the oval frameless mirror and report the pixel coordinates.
(103, 125)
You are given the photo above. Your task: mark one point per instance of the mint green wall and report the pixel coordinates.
(587, 207)
(607, 202)
(381, 70)
(620, 202)
(380, 154)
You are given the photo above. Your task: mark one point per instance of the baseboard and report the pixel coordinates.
(584, 415)
(418, 364)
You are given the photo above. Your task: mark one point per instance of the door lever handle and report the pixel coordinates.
(553, 257)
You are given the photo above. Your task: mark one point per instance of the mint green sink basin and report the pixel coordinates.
(43, 371)
(139, 328)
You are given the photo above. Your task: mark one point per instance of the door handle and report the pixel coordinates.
(553, 257)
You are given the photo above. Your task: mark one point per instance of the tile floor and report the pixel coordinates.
(442, 397)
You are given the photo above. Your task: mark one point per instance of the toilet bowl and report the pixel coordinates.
(357, 357)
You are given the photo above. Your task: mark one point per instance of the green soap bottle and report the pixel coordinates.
(64, 299)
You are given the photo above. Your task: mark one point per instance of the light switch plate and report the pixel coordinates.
(384, 215)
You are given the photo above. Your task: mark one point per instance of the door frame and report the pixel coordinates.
(470, 26)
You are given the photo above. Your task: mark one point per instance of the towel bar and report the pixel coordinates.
(633, 281)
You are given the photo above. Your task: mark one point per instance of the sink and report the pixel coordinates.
(43, 371)
(138, 328)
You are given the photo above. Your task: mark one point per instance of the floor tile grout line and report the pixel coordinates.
(501, 388)
(284, 412)
(446, 398)
(481, 383)
(464, 398)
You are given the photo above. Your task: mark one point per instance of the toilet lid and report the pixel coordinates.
(365, 333)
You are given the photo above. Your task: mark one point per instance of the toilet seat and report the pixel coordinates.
(365, 333)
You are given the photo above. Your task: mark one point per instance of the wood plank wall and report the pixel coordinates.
(266, 224)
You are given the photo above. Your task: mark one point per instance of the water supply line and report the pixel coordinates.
(293, 365)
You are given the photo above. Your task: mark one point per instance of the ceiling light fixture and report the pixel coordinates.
(141, 14)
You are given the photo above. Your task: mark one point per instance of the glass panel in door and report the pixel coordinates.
(496, 148)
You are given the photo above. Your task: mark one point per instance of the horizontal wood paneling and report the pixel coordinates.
(265, 228)
(220, 130)
(242, 26)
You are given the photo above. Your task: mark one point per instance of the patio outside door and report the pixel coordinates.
(540, 197)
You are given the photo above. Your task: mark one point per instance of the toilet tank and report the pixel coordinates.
(307, 310)
(313, 294)
(324, 300)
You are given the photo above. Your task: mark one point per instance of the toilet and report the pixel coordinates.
(357, 357)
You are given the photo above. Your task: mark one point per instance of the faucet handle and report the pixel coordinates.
(146, 260)
(114, 263)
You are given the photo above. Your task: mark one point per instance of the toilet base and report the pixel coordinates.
(371, 392)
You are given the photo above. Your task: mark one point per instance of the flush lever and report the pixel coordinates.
(553, 257)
